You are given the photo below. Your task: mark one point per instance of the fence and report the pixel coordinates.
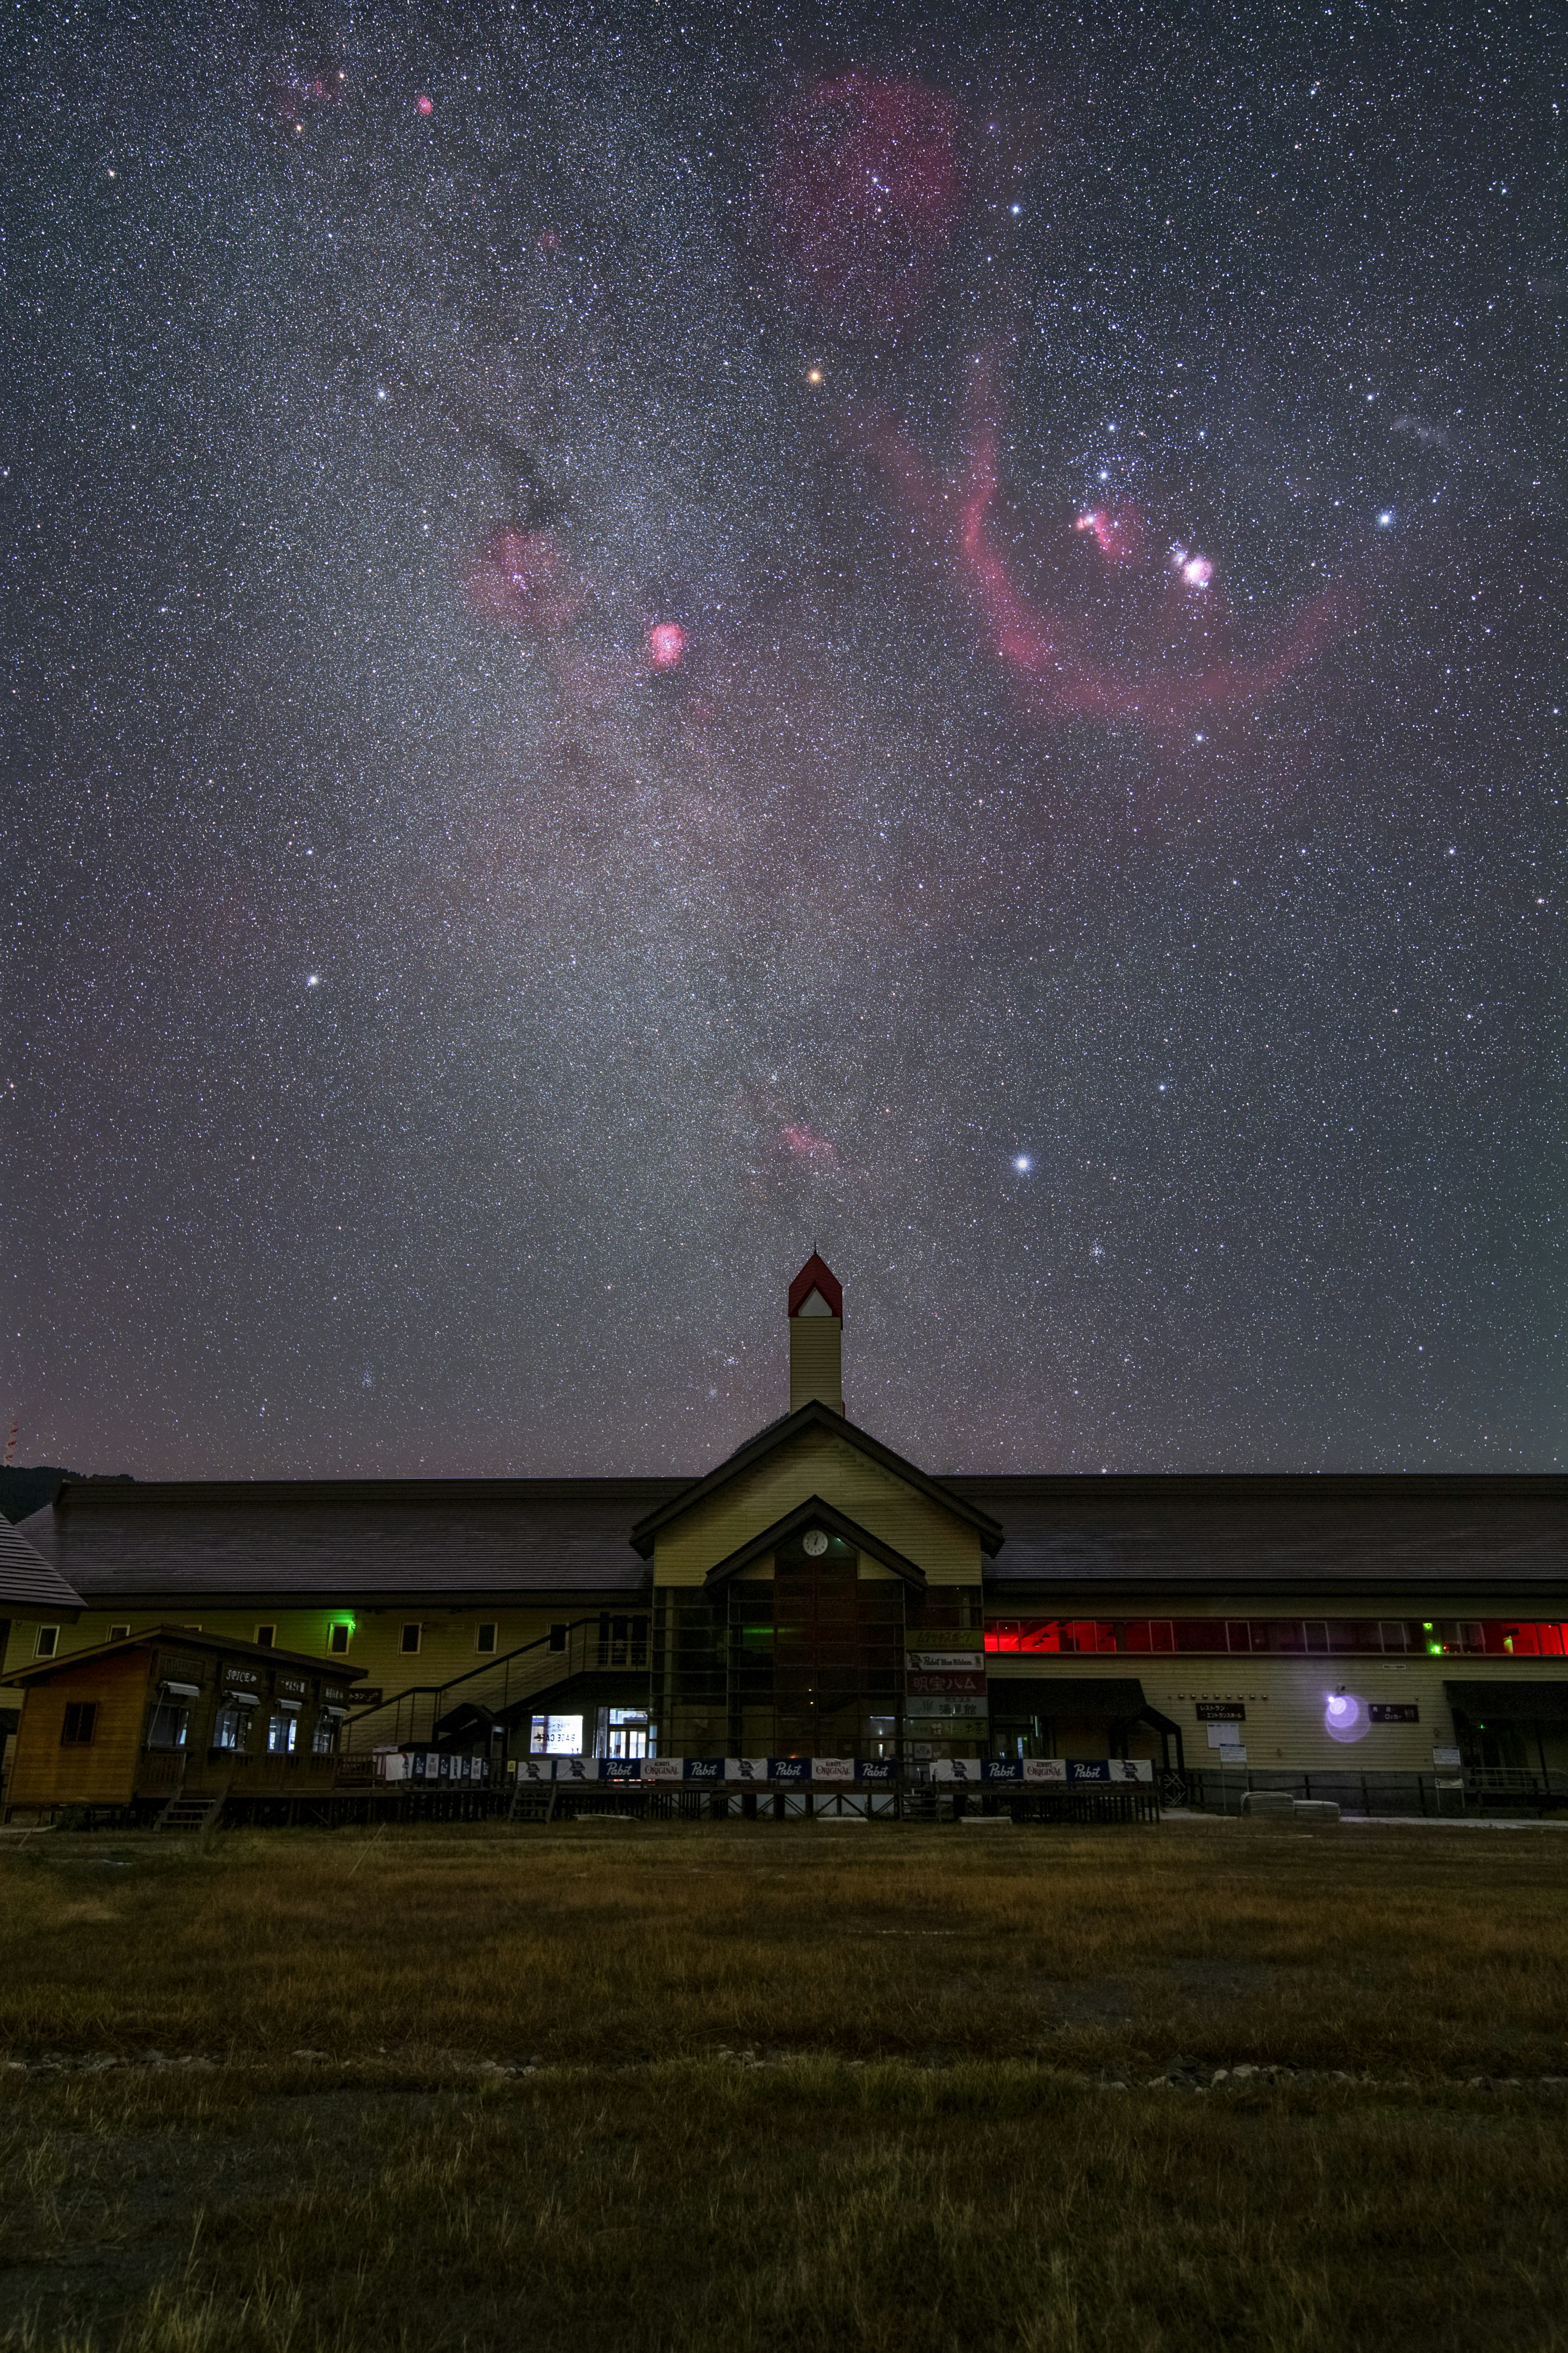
(1214, 1791)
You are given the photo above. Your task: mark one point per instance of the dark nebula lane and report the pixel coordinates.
(640, 639)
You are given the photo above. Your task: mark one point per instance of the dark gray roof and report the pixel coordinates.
(1261, 1532)
(345, 1539)
(28, 1583)
(1091, 1539)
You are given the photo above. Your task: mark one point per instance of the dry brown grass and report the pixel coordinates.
(1440, 1952)
(641, 2193)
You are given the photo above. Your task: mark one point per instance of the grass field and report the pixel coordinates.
(762, 2086)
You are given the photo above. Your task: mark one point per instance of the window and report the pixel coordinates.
(485, 1639)
(266, 1636)
(119, 1633)
(282, 1731)
(410, 1644)
(232, 1726)
(168, 1724)
(48, 1643)
(81, 1714)
(338, 1638)
(558, 1638)
(324, 1739)
(555, 1736)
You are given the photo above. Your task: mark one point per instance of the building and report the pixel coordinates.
(174, 1716)
(816, 1594)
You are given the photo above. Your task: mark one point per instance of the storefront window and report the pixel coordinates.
(555, 1736)
(282, 1732)
(168, 1725)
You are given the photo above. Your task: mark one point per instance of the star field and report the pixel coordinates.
(640, 639)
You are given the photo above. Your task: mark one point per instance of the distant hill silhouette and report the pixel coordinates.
(25, 1490)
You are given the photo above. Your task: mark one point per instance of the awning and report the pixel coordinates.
(334, 1711)
(1100, 1699)
(184, 1691)
(1506, 1701)
(242, 1699)
(289, 1706)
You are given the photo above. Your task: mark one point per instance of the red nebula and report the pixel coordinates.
(805, 1145)
(864, 194)
(665, 645)
(1163, 682)
(519, 580)
(424, 105)
(1118, 532)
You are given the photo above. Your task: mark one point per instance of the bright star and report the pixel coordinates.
(1022, 1163)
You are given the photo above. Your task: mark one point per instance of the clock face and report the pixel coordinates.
(815, 1543)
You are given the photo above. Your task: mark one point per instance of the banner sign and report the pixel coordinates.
(1220, 1711)
(358, 1696)
(432, 1764)
(717, 1772)
(968, 1683)
(944, 1663)
(1394, 1712)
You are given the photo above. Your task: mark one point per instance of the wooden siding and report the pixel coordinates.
(818, 1464)
(103, 1771)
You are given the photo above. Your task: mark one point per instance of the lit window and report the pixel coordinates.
(81, 1714)
(266, 1636)
(48, 1643)
(555, 1736)
(486, 1639)
(324, 1741)
(411, 1638)
(338, 1638)
(282, 1731)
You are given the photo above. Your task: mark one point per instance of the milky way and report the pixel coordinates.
(639, 639)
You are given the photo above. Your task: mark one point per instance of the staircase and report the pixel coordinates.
(190, 1813)
(416, 1717)
(532, 1801)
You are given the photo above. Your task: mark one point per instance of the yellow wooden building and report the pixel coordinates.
(816, 1594)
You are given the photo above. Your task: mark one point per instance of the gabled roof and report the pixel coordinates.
(815, 1415)
(28, 1583)
(815, 1513)
(184, 1638)
(816, 1275)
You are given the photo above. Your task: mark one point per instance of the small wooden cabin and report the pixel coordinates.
(173, 1713)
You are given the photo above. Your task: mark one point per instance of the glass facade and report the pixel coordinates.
(808, 1663)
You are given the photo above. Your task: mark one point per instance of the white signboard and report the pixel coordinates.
(1445, 1759)
(662, 1768)
(745, 1768)
(945, 1662)
(833, 1769)
(1232, 1753)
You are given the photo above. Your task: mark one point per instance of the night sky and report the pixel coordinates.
(642, 639)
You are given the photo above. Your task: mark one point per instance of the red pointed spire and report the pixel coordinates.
(816, 1275)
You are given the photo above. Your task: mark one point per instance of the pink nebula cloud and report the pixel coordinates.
(519, 580)
(863, 195)
(665, 645)
(1176, 669)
